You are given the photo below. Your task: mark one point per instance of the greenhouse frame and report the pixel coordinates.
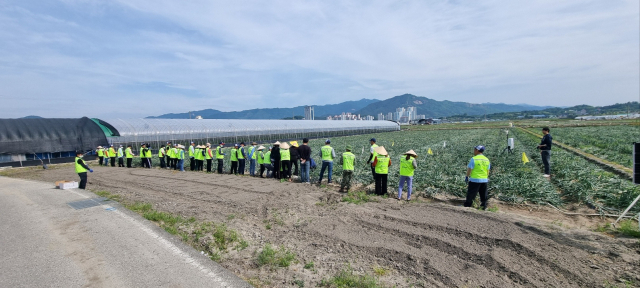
(159, 131)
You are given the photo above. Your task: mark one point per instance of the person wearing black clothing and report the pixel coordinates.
(81, 169)
(304, 153)
(295, 157)
(275, 159)
(545, 150)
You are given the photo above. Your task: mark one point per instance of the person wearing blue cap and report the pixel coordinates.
(477, 177)
(328, 154)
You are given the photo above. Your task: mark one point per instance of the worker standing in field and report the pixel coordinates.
(192, 157)
(175, 155)
(143, 155)
(81, 169)
(120, 157)
(348, 164)
(242, 155)
(105, 153)
(180, 157)
(295, 158)
(260, 158)
(220, 156)
(545, 151)
(252, 158)
(382, 163)
(328, 154)
(112, 155)
(268, 165)
(285, 160)
(234, 159)
(305, 161)
(275, 159)
(209, 156)
(408, 165)
(149, 155)
(129, 154)
(100, 153)
(167, 152)
(161, 155)
(478, 177)
(198, 156)
(372, 156)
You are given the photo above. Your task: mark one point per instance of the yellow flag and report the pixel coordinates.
(393, 143)
(430, 152)
(525, 160)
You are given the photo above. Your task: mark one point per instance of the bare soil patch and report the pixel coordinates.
(423, 244)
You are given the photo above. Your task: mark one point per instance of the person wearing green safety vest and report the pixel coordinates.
(120, 156)
(348, 161)
(478, 177)
(382, 163)
(408, 165)
(81, 169)
(148, 155)
(234, 159)
(100, 153)
(129, 154)
(220, 156)
(112, 155)
(372, 156)
(175, 154)
(208, 154)
(200, 156)
(260, 158)
(285, 160)
(167, 153)
(179, 152)
(161, 155)
(268, 166)
(242, 155)
(142, 155)
(252, 158)
(328, 154)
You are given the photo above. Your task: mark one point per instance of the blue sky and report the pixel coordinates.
(135, 58)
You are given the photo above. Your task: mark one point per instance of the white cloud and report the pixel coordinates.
(255, 54)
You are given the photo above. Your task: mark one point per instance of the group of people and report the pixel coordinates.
(278, 160)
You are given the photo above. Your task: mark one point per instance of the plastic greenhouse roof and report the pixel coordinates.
(166, 129)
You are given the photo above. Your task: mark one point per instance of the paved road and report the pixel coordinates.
(44, 242)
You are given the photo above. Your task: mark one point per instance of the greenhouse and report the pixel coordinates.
(158, 131)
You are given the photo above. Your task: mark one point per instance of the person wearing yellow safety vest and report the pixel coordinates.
(100, 153)
(242, 155)
(167, 153)
(234, 159)
(382, 163)
(120, 156)
(200, 156)
(148, 155)
(408, 165)
(372, 157)
(175, 155)
(112, 155)
(179, 151)
(192, 158)
(220, 156)
(81, 169)
(252, 158)
(478, 177)
(129, 154)
(268, 165)
(348, 161)
(328, 154)
(105, 153)
(142, 155)
(208, 154)
(285, 160)
(161, 155)
(260, 158)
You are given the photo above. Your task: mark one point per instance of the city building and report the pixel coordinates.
(309, 113)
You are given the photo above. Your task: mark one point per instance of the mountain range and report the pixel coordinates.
(429, 107)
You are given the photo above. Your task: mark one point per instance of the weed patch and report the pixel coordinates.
(271, 256)
(357, 197)
(346, 278)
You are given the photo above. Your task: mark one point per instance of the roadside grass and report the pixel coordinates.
(357, 198)
(212, 238)
(308, 265)
(275, 257)
(625, 227)
(381, 271)
(347, 278)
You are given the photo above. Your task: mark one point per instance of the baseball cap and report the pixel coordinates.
(479, 148)
(327, 141)
(372, 139)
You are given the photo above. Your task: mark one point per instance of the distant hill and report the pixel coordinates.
(31, 117)
(562, 112)
(436, 109)
(273, 113)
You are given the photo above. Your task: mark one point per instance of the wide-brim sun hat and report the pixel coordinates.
(294, 143)
(254, 143)
(208, 144)
(277, 143)
(411, 152)
(285, 145)
(260, 148)
(381, 151)
(99, 147)
(349, 147)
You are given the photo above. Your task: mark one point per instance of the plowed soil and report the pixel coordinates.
(423, 243)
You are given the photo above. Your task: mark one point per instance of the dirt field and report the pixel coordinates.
(421, 243)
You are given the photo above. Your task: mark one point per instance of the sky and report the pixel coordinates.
(136, 58)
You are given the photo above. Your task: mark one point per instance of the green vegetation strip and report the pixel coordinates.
(214, 239)
(347, 278)
(619, 169)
